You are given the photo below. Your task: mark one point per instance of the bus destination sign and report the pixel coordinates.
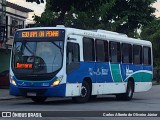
(30, 34)
(40, 34)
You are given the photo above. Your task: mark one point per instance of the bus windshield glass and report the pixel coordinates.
(35, 56)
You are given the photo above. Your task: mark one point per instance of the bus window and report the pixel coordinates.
(126, 53)
(73, 57)
(106, 51)
(88, 49)
(100, 51)
(146, 56)
(72, 53)
(137, 54)
(115, 52)
(36, 54)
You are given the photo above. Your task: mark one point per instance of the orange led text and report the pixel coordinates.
(22, 66)
(33, 34)
(52, 33)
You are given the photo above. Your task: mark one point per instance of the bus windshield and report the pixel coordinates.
(37, 57)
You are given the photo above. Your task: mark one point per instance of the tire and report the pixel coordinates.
(39, 99)
(85, 93)
(129, 92)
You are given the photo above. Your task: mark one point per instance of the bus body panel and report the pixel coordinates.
(109, 78)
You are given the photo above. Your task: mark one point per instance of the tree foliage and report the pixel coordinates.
(151, 32)
(124, 16)
(137, 12)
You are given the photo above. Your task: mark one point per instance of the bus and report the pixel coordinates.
(81, 64)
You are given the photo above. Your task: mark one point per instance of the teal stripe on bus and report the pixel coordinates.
(116, 73)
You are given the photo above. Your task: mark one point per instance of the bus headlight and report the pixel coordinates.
(56, 82)
(13, 82)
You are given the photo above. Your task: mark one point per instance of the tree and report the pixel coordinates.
(61, 7)
(124, 16)
(151, 32)
(90, 18)
(137, 13)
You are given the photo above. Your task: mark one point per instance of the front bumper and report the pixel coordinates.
(52, 91)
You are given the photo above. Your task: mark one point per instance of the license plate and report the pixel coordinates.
(31, 94)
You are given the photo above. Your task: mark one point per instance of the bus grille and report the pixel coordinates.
(34, 78)
(39, 92)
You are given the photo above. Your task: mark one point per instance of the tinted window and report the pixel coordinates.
(137, 54)
(126, 53)
(146, 55)
(72, 53)
(106, 52)
(88, 49)
(100, 55)
(115, 52)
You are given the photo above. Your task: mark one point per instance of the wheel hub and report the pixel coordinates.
(83, 91)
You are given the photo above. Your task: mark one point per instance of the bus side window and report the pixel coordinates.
(126, 53)
(100, 51)
(88, 49)
(115, 52)
(146, 56)
(73, 57)
(72, 53)
(106, 51)
(137, 54)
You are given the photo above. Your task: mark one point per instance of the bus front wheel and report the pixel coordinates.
(85, 93)
(38, 99)
(129, 92)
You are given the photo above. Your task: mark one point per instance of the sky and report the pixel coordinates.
(157, 6)
(38, 9)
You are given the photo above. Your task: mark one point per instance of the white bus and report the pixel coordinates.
(68, 62)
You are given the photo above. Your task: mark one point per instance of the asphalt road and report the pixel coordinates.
(144, 101)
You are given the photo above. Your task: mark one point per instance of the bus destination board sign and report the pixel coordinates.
(40, 34)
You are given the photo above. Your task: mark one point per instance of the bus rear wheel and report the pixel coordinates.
(85, 93)
(39, 99)
(129, 92)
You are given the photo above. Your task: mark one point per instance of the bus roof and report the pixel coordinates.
(97, 34)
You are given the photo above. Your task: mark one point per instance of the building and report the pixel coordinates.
(2, 21)
(12, 17)
(15, 19)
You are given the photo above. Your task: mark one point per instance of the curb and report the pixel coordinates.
(155, 83)
(10, 98)
(6, 96)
